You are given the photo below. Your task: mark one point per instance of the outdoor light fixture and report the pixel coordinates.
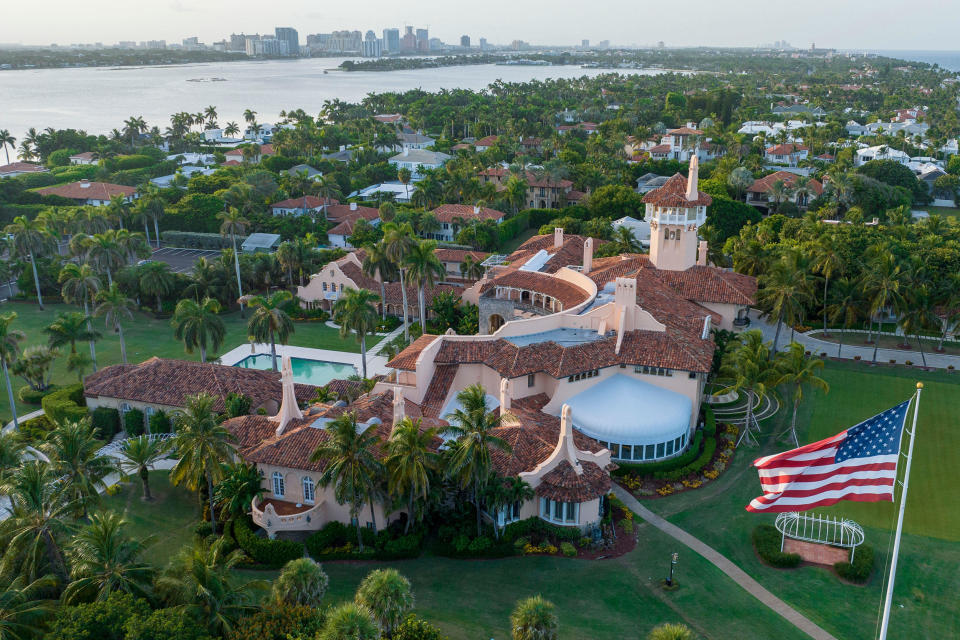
(674, 557)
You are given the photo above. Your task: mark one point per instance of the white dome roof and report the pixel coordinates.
(626, 410)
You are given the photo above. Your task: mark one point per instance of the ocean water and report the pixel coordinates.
(947, 59)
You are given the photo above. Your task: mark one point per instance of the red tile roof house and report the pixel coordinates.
(96, 194)
(758, 194)
(304, 205)
(542, 192)
(15, 169)
(485, 143)
(453, 258)
(85, 158)
(453, 216)
(339, 234)
(266, 150)
(786, 154)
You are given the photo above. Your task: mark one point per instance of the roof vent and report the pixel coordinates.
(84, 184)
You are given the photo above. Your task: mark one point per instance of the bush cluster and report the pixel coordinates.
(414, 628)
(36, 428)
(338, 541)
(160, 422)
(766, 540)
(268, 553)
(133, 422)
(106, 422)
(28, 395)
(702, 460)
(860, 569)
(196, 240)
(65, 405)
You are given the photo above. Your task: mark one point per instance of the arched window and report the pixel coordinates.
(278, 484)
(308, 495)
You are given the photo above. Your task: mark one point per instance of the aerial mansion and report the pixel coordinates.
(589, 361)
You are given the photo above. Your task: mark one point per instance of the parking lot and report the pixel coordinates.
(182, 260)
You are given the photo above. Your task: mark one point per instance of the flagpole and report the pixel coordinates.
(903, 501)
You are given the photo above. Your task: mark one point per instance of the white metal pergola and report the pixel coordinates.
(820, 529)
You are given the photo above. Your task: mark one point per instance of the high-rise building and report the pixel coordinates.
(604, 44)
(465, 42)
(371, 46)
(251, 44)
(291, 37)
(391, 40)
(423, 40)
(409, 42)
(346, 42)
(192, 43)
(318, 42)
(483, 44)
(584, 44)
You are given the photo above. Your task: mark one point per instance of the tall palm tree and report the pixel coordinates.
(350, 465)
(79, 286)
(231, 129)
(747, 367)
(473, 425)
(424, 269)
(139, 455)
(848, 306)
(793, 369)
(203, 446)
(11, 450)
(377, 264)
(22, 607)
(10, 340)
(232, 223)
(30, 238)
(404, 175)
(399, 242)
(7, 140)
(787, 287)
(881, 286)
(918, 314)
(515, 192)
(533, 619)
(269, 322)
(241, 485)
(73, 451)
(355, 312)
(115, 307)
(68, 329)
(104, 559)
(409, 462)
(156, 280)
(198, 325)
(201, 580)
(827, 261)
(288, 258)
(388, 595)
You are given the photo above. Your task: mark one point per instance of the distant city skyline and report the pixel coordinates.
(843, 24)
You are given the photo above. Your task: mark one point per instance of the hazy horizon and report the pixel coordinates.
(842, 24)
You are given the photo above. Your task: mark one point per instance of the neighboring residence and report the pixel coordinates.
(419, 160)
(543, 192)
(395, 191)
(453, 258)
(15, 169)
(304, 205)
(799, 109)
(337, 213)
(339, 234)
(162, 384)
(941, 197)
(639, 228)
(260, 243)
(408, 140)
(587, 127)
(187, 171)
(342, 155)
(879, 152)
(452, 217)
(909, 115)
(788, 154)
(85, 158)
(531, 144)
(298, 169)
(683, 143)
(389, 118)
(96, 194)
(266, 150)
(650, 181)
(484, 144)
(190, 158)
(261, 133)
(758, 194)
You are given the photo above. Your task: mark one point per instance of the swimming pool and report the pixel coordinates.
(315, 372)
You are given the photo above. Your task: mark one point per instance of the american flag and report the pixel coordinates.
(858, 464)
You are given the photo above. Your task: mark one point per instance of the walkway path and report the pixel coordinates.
(22, 419)
(737, 574)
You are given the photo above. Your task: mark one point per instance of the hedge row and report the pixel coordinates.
(106, 422)
(338, 541)
(767, 541)
(702, 460)
(29, 395)
(651, 468)
(537, 526)
(36, 429)
(860, 569)
(196, 240)
(65, 405)
(133, 423)
(268, 553)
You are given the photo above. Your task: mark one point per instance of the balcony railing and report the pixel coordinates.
(269, 519)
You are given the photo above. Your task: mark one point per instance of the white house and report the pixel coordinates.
(303, 205)
(639, 228)
(789, 154)
(95, 194)
(193, 158)
(87, 157)
(880, 152)
(400, 192)
(15, 169)
(187, 171)
(418, 160)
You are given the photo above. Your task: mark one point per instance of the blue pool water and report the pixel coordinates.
(315, 372)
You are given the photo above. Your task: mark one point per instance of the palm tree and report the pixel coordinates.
(10, 340)
(472, 425)
(233, 223)
(746, 367)
(786, 289)
(301, 582)
(740, 179)
(69, 328)
(73, 451)
(7, 140)
(388, 596)
(118, 209)
(848, 305)
(240, 486)
(156, 280)
(795, 370)
(778, 193)
(471, 269)
(200, 579)
(533, 619)
(115, 306)
(918, 314)
(104, 559)
(409, 462)
(198, 325)
(30, 238)
(515, 192)
(22, 610)
(37, 516)
(425, 268)
(139, 455)
(269, 322)
(827, 261)
(404, 176)
(79, 285)
(350, 621)
(399, 242)
(102, 250)
(231, 129)
(203, 446)
(355, 312)
(11, 450)
(288, 258)
(350, 465)
(881, 286)
(377, 264)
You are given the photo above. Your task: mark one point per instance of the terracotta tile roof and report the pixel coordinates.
(407, 359)
(531, 142)
(166, 382)
(785, 149)
(567, 293)
(312, 202)
(450, 212)
(265, 150)
(394, 295)
(789, 179)
(337, 212)
(459, 255)
(231, 163)
(569, 253)
(21, 167)
(84, 190)
(344, 387)
(86, 155)
(575, 196)
(673, 194)
(564, 484)
(346, 224)
(685, 131)
(443, 376)
(660, 149)
(711, 284)
(489, 141)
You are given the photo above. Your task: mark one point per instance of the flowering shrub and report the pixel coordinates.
(549, 549)
(692, 484)
(712, 474)
(665, 490)
(568, 549)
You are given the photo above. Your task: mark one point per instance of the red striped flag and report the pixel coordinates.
(858, 464)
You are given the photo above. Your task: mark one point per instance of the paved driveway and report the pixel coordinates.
(182, 260)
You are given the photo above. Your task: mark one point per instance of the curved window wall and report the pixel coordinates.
(646, 452)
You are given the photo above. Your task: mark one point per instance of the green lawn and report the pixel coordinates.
(512, 245)
(952, 212)
(145, 337)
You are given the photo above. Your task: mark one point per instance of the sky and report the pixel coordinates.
(842, 24)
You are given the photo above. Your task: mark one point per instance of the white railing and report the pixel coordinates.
(269, 519)
(819, 529)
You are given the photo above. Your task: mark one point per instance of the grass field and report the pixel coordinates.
(512, 245)
(145, 337)
(951, 212)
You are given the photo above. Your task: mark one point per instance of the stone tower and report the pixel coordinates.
(675, 211)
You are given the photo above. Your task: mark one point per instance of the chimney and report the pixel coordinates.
(692, 178)
(588, 255)
(566, 439)
(625, 294)
(702, 253)
(558, 237)
(504, 395)
(289, 409)
(399, 405)
(84, 184)
(476, 209)
(353, 206)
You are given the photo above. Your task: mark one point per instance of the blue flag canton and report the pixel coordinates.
(878, 436)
